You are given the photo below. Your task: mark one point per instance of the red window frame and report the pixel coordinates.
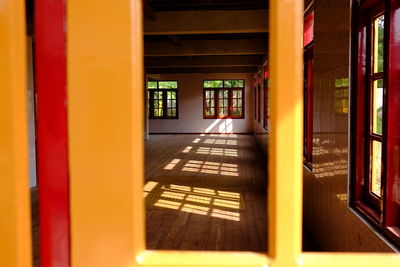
(259, 98)
(266, 101)
(308, 89)
(255, 96)
(383, 212)
(231, 98)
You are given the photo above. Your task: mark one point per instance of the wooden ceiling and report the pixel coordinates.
(179, 5)
(193, 36)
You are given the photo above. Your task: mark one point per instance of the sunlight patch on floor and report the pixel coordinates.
(210, 167)
(197, 200)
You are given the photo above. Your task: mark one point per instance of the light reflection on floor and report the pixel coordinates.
(211, 167)
(198, 200)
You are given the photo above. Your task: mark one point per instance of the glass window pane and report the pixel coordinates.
(213, 84)
(228, 83)
(152, 85)
(168, 85)
(376, 167)
(378, 43)
(377, 106)
(233, 83)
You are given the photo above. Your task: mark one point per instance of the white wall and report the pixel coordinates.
(190, 101)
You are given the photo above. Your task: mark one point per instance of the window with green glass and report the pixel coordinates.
(163, 99)
(223, 99)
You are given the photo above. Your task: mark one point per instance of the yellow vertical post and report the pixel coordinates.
(105, 122)
(285, 150)
(15, 244)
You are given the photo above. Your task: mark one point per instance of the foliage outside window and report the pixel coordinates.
(163, 99)
(223, 99)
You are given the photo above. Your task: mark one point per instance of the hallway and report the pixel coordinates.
(205, 192)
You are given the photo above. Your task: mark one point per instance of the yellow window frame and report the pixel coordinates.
(106, 133)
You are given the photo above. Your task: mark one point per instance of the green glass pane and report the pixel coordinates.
(213, 84)
(377, 107)
(378, 43)
(152, 85)
(234, 103)
(376, 168)
(168, 85)
(228, 83)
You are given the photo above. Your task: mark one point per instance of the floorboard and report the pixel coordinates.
(219, 170)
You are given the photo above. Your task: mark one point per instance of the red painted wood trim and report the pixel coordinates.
(360, 109)
(52, 141)
(266, 77)
(393, 137)
(308, 29)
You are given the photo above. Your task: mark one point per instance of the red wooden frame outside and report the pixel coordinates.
(52, 132)
(383, 213)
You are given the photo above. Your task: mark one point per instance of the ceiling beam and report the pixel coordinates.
(201, 70)
(148, 11)
(208, 22)
(203, 61)
(206, 47)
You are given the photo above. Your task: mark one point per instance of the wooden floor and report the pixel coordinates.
(205, 192)
(192, 170)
